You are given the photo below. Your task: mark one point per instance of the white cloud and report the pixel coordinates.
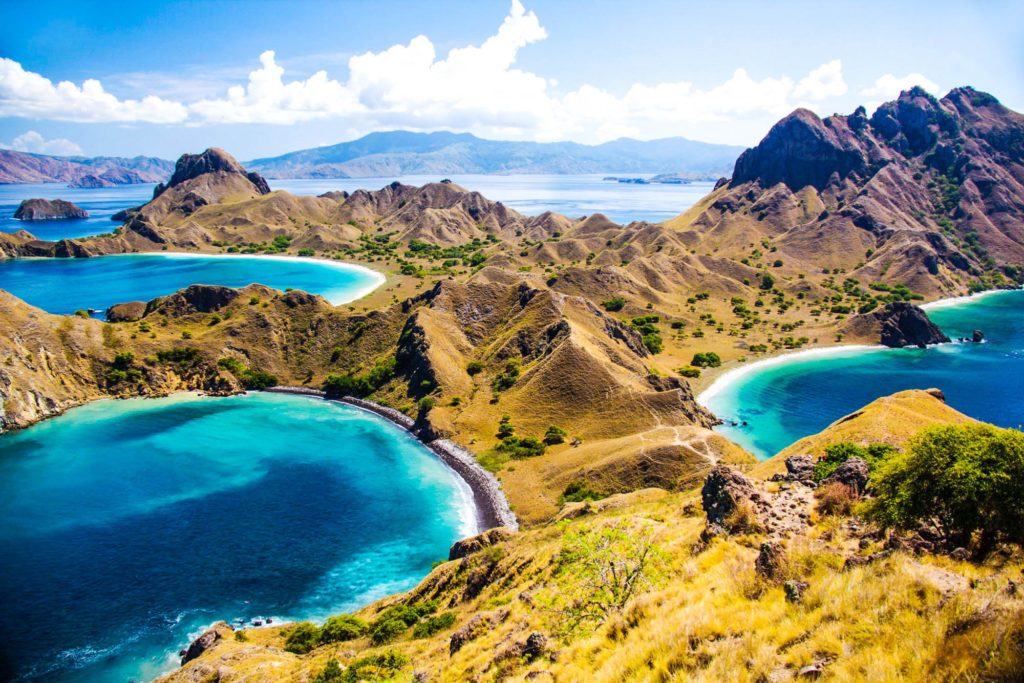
(889, 86)
(476, 88)
(29, 95)
(31, 141)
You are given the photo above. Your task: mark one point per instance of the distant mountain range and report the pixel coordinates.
(22, 167)
(399, 153)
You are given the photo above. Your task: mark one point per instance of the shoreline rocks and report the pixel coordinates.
(897, 325)
(48, 210)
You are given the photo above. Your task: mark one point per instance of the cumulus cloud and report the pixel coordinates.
(889, 86)
(476, 88)
(29, 95)
(33, 142)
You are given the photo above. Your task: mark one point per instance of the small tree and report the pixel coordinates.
(968, 478)
(554, 435)
(342, 627)
(601, 569)
(302, 638)
(505, 427)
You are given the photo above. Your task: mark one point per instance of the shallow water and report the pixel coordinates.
(64, 285)
(131, 525)
(785, 401)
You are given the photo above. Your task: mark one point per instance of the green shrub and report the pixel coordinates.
(306, 251)
(342, 627)
(185, 356)
(653, 342)
(708, 359)
(689, 371)
(374, 668)
(518, 448)
(332, 673)
(386, 631)
(578, 491)
(767, 282)
(352, 384)
(968, 477)
(115, 376)
(474, 367)
(302, 638)
(258, 380)
(427, 404)
(433, 625)
(554, 435)
(506, 379)
(232, 365)
(838, 453)
(124, 360)
(614, 304)
(505, 427)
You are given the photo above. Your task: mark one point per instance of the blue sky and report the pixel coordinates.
(263, 78)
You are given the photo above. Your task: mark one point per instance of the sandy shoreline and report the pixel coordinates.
(732, 375)
(491, 506)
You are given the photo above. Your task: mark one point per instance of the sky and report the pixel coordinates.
(261, 78)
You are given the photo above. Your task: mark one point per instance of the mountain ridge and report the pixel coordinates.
(408, 153)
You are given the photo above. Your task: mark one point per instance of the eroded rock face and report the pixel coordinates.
(194, 299)
(799, 467)
(213, 160)
(48, 210)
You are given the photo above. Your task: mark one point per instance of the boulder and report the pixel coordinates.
(204, 642)
(724, 491)
(771, 561)
(852, 473)
(799, 467)
(48, 210)
(794, 591)
(474, 544)
(126, 312)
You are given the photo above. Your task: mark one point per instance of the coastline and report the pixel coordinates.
(489, 502)
(731, 375)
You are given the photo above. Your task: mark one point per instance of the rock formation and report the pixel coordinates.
(48, 210)
(897, 325)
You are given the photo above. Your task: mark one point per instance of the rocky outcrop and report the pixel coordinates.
(853, 474)
(193, 299)
(474, 544)
(725, 492)
(48, 210)
(126, 312)
(206, 641)
(213, 160)
(900, 324)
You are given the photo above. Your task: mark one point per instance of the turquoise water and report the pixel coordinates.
(785, 401)
(131, 525)
(62, 285)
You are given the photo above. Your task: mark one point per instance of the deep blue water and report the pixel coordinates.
(572, 195)
(63, 285)
(788, 400)
(131, 525)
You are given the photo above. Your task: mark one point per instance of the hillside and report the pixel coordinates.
(808, 595)
(398, 153)
(925, 192)
(22, 167)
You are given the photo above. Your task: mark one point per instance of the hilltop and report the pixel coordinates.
(396, 153)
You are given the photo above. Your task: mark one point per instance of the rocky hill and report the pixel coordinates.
(48, 210)
(926, 192)
(22, 167)
(399, 153)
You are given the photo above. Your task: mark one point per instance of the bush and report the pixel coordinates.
(185, 356)
(836, 499)
(578, 491)
(767, 282)
(332, 673)
(124, 360)
(506, 379)
(614, 304)
(342, 627)
(258, 380)
(968, 477)
(232, 365)
(653, 342)
(427, 404)
(434, 625)
(554, 435)
(526, 447)
(352, 384)
(386, 631)
(474, 367)
(838, 453)
(374, 668)
(505, 427)
(306, 251)
(302, 638)
(708, 359)
(689, 371)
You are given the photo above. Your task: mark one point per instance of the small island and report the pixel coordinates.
(48, 210)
